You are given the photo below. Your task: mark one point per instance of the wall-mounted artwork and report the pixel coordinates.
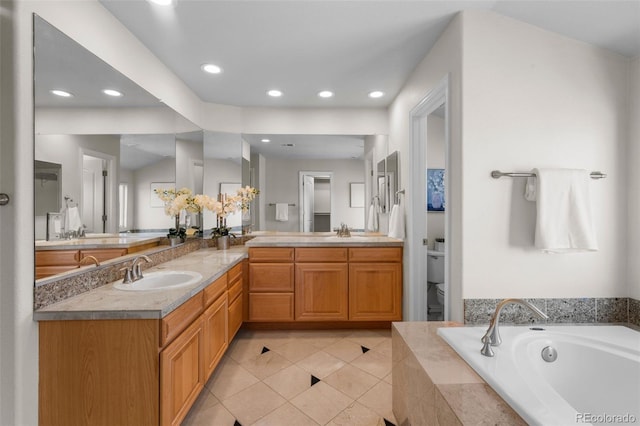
(356, 194)
(435, 190)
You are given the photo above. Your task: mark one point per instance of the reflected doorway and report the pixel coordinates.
(316, 201)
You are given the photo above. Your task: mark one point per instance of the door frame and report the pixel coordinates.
(111, 187)
(415, 300)
(301, 176)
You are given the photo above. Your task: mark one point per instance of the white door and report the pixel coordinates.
(307, 203)
(92, 193)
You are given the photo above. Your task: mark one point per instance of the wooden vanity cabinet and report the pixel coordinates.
(333, 284)
(235, 310)
(52, 262)
(135, 372)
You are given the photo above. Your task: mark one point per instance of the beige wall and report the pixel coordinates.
(533, 98)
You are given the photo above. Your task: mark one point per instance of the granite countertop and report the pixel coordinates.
(107, 302)
(323, 239)
(95, 242)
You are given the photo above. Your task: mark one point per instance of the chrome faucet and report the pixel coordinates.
(492, 336)
(343, 231)
(134, 273)
(136, 268)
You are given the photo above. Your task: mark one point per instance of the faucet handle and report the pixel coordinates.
(128, 279)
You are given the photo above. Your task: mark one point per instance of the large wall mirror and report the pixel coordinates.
(103, 155)
(305, 180)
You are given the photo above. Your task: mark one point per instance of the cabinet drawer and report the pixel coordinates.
(215, 289)
(270, 277)
(235, 291)
(321, 254)
(57, 257)
(178, 320)
(234, 274)
(271, 254)
(271, 306)
(375, 254)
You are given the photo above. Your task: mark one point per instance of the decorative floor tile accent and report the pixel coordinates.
(314, 380)
(364, 350)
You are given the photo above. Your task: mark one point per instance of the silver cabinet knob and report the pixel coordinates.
(4, 199)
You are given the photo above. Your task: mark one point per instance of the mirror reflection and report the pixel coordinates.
(98, 157)
(304, 180)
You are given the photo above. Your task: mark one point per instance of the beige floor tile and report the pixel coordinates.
(351, 381)
(345, 349)
(357, 415)
(296, 349)
(286, 415)
(253, 403)
(290, 382)
(388, 378)
(379, 400)
(321, 364)
(265, 364)
(384, 347)
(245, 348)
(230, 378)
(375, 363)
(209, 415)
(321, 402)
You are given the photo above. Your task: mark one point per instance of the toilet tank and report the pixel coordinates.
(435, 266)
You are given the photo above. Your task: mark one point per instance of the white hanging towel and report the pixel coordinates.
(282, 212)
(372, 221)
(396, 222)
(72, 221)
(564, 223)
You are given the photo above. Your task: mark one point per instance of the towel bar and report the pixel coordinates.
(497, 174)
(290, 205)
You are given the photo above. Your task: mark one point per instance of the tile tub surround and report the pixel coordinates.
(432, 385)
(560, 311)
(107, 302)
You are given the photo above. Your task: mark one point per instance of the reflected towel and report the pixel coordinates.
(564, 223)
(372, 221)
(396, 222)
(72, 221)
(282, 212)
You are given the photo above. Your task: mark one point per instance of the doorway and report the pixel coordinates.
(97, 200)
(315, 194)
(429, 227)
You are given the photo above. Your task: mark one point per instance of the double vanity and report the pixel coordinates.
(142, 356)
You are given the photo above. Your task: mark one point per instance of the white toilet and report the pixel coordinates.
(435, 272)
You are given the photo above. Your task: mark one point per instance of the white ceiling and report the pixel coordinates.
(349, 47)
(298, 147)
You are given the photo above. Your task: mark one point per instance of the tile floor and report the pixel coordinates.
(282, 378)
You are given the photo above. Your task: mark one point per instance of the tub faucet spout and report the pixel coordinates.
(492, 336)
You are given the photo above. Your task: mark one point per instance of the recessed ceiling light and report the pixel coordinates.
(325, 94)
(376, 94)
(211, 68)
(265, 140)
(61, 93)
(111, 92)
(274, 93)
(161, 2)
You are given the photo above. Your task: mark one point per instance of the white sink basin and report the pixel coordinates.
(161, 280)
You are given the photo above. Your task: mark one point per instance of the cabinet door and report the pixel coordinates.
(375, 291)
(181, 374)
(321, 292)
(216, 339)
(104, 254)
(235, 316)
